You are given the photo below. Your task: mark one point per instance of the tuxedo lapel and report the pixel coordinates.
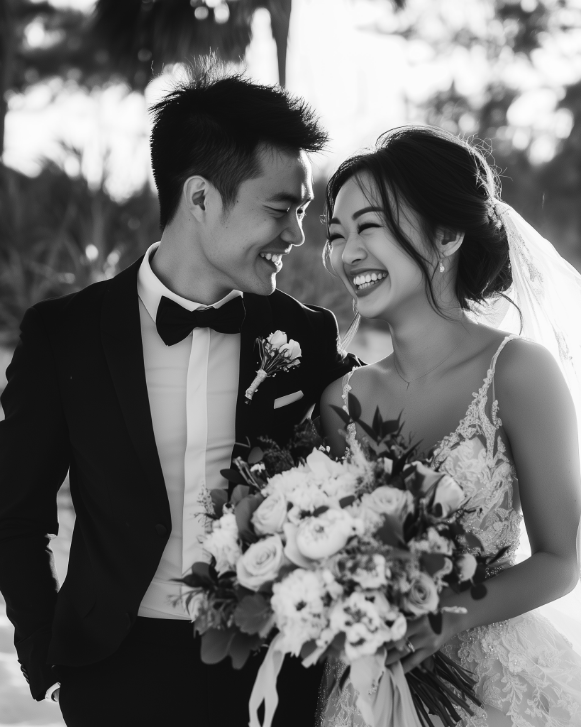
(121, 338)
(253, 419)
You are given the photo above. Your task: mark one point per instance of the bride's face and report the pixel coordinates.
(374, 268)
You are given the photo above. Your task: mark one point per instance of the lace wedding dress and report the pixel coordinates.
(528, 673)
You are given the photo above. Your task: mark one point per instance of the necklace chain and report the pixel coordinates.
(411, 381)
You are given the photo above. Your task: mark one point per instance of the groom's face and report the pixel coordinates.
(246, 243)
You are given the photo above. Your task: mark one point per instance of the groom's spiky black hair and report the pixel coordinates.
(213, 124)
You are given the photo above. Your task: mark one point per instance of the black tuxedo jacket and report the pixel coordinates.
(77, 401)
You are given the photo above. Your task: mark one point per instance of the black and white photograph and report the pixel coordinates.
(290, 363)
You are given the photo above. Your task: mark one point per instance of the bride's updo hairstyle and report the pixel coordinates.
(449, 184)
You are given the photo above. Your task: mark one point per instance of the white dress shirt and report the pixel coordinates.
(192, 388)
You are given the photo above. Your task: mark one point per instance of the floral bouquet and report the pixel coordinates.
(323, 558)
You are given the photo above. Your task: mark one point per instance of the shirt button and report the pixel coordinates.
(161, 530)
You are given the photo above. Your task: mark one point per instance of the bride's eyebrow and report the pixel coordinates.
(356, 215)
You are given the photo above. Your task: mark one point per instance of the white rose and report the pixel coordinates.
(196, 604)
(291, 350)
(223, 543)
(276, 339)
(322, 536)
(261, 563)
(466, 566)
(449, 495)
(322, 465)
(270, 516)
(389, 501)
(422, 596)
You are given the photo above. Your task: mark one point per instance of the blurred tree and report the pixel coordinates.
(143, 35)
(126, 41)
(58, 235)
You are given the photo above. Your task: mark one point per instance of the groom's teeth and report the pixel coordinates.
(275, 258)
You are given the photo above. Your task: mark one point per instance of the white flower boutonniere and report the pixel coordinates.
(277, 353)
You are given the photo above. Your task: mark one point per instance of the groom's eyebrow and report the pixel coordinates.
(356, 215)
(290, 198)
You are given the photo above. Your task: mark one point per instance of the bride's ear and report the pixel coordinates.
(448, 241)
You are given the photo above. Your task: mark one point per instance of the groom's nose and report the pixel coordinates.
(293, 233)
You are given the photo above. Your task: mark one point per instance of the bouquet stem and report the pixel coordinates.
(258, 379)
(442, 690)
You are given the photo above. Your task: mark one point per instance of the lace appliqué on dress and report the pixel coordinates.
(525, 669)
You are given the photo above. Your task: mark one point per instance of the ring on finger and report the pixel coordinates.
(409, 646)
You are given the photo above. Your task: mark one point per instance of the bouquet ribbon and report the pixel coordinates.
(384, 697)
(264, 689)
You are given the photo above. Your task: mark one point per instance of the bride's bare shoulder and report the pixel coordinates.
(528, 380)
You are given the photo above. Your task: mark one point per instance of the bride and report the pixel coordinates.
(419, 240)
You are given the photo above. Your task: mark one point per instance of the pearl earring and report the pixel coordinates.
(442, 268)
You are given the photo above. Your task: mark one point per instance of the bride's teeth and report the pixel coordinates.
(367, 279)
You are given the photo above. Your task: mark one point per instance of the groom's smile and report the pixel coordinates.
(248, 241)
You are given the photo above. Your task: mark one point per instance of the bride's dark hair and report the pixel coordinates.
(450, 185)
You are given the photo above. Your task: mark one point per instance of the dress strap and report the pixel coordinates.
(346, 390)
(492, 369)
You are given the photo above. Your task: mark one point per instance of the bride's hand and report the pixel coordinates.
(420, 642)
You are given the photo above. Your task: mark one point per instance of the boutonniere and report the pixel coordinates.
(277, 354)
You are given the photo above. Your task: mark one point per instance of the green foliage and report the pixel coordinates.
(58, 235)
(253, 614)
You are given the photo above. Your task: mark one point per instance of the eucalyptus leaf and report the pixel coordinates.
(242, 646)
(252, 614)
(341, 413)
(255, 456)
(216, 645)
(354, 406)
(233, 476)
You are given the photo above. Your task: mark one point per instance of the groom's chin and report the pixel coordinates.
(263, 287)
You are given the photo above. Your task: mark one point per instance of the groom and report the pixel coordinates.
(135, 386)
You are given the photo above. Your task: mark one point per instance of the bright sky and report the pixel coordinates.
(361, 82)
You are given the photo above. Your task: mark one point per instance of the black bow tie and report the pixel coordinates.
(174, 323)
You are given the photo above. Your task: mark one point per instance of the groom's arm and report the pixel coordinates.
(34, 459)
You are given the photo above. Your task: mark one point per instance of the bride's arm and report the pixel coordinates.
(331, 421)
(539, 419)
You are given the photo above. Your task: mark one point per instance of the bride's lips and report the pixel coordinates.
(366, 281)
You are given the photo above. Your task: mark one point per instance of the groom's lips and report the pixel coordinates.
(273, 258)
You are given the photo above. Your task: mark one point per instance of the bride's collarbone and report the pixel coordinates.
(428, 413)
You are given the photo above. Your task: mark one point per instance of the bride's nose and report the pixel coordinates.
(353, 251)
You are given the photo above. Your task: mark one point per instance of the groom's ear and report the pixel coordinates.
(195, 193)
